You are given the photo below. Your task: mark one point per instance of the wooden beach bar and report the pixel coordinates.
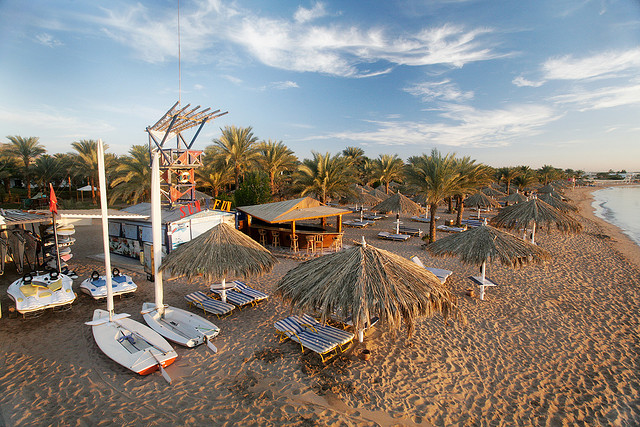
(300, 224)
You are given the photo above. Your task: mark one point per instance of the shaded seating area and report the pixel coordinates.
(373, 216)
(310, 334)
(410, 230)
(396, 237)
(358, 224)
(209, 305)
(238, 293)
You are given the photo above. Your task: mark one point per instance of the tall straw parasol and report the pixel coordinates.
(366, 282)
(557, 202)
(535, 212)
(398, 203)
(218, 252)
(479, 245)
(480, 200)
(378, 193)
(514, 198)
(492, 192)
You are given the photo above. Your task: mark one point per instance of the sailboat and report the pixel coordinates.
(129, 343)
(175, 324)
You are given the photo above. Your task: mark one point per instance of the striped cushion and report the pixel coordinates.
(236, 298)
(291, 327)
(256, 294)
(327, 332)
(209, 304)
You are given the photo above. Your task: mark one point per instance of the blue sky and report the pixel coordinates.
(505, 82)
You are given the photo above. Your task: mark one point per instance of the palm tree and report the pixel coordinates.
(387, 168)
(47, 169)
(132, 180)
(9, 167)
(548, 173)
(508, 174)
(358, 161)
(237, 148)
(214, 175)
(86, 162)
(471, 178)
(325, 176)
(27, 150)
(275, 158)
(437, 178)
(526, 177)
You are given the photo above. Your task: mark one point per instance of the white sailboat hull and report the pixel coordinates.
(180, 326)
(132, 344)
(41, 293)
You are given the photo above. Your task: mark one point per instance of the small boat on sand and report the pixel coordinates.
(96, 285)
(35, 293)
(179, 326)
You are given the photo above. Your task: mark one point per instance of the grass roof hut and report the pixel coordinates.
(492, 192)
(366, 282)
(535, 212)
(479, 245)
(480, 200)
(554, 200)
(398, 203)
(218, 252)
(514, 198)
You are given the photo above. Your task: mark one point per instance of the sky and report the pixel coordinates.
(546, 82)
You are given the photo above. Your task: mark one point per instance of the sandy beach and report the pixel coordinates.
(554, 344)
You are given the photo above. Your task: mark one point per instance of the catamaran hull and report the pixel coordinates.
(132, 344)
(180, 326)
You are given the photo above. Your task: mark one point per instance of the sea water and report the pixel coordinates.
(620, 206)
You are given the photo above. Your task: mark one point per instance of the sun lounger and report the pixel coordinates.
(422, 219)
(472, 222)
(290, 327)
(239, 293)
(208, 304)
(328, 332)
(410, 230)
(451, 229)
(479, 282)
(373, 217)
(358, 224)
(440, 273)
(397, 237)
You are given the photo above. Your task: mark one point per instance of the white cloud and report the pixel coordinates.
(464, 127)
(303, 15)
(284, 85)
(291, 44)
(606, 97)
(48, 40)
(602, 65)
(444, 90)
(232, 79)
(522, 82)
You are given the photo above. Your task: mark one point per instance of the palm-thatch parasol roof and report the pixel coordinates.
(479, 245)
(400, 204)
(480, 200)
(361, 197)
(378, 193)
(492, 192)
(486, 243)
(535, 212)
(217, 253)
(365, 282)
(515, 198)
(557, 202)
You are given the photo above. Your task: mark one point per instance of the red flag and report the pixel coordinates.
(53, 200)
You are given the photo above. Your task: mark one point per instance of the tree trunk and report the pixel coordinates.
(93, 191)
(460, 210)
(432, 224)
(450, 204)
(386, 188)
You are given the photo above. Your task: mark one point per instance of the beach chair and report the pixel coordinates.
(418, 218)
(410, 230)
(234, 297)
(240, 294)
(328, 332)
(290, 327)
(396, 237)
(358, 224)
(208, 304)
(373, 217)
(247, 290)
(451, 229)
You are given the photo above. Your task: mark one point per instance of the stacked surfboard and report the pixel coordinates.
(63, 247)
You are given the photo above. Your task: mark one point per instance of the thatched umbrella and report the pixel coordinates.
(218, 252)
(535, 212)
(398, 203)
(366, 282)
(514, 198)
(480, 200)
(378, 193)
(557, 202)
(492, 192)
(478, 245)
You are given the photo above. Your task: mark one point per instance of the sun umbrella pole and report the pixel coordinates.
(533, 234)
(360, 335)
(397, 223)
(156, 227)
(105, 226)
(223, 293)
(483, 271)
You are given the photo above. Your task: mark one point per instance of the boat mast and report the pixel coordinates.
(105, 226)
(156, 227)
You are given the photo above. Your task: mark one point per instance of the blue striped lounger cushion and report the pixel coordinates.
(208, 304)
